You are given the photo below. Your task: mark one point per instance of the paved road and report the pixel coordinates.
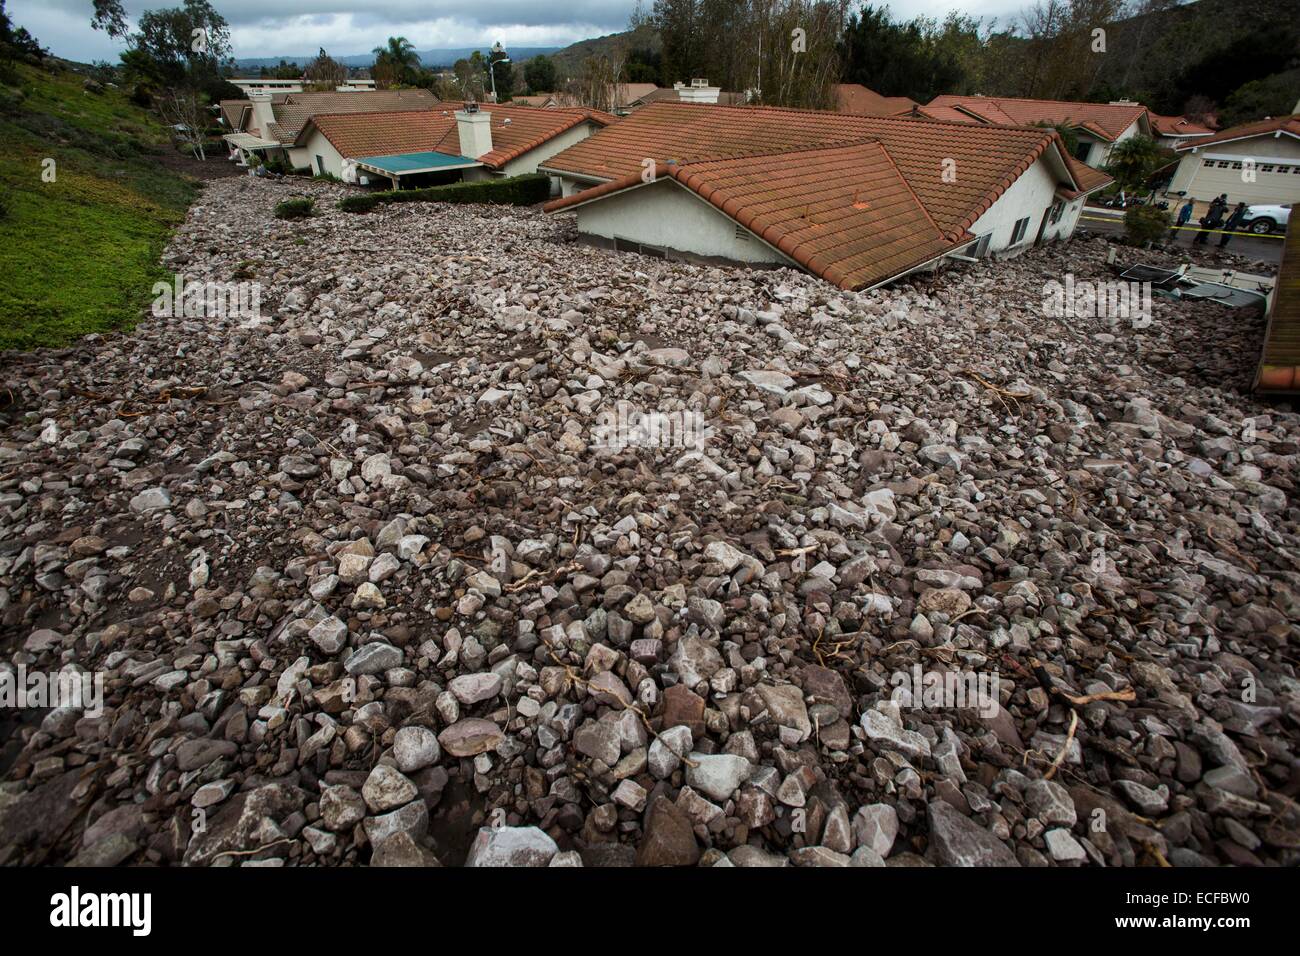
(1264, 248)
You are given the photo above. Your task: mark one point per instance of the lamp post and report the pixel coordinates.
(497, 55)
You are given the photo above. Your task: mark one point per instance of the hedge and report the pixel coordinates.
(362, 203)
(294, 209)
(516, 191)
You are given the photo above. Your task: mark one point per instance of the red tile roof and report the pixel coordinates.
(1177, 126)
(1287, 125)
(986, 159)
(844, 212)
(1279, 368)
(1107, 120)
(292, 114)
(856, 98)
(515, 130)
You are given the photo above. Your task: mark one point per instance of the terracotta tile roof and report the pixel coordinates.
(292, 115)
(1107, 120)
(665, 94)
(1177, 126)
(1279, 368)
(856, 98)
(434, 130)
(231, 110)
(625, 93)
(1287, 125)
(844, 212)
(987, 159)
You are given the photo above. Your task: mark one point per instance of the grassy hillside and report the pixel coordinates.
(80, 254)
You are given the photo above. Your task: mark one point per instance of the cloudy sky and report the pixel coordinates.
(293, 27)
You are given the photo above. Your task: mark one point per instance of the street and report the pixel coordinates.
(1266, 249)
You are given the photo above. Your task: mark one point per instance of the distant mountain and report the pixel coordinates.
(445, 56)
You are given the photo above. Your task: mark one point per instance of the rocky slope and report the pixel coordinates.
(365, 585)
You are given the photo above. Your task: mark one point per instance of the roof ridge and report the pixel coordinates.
(1034, 99)
(814, 147)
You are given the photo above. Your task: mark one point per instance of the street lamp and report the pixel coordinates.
(498, 51)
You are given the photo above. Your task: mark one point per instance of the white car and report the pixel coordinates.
(1262, 220)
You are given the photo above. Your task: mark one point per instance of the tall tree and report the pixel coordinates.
(540, 75)
(396, 63)
(324, 73)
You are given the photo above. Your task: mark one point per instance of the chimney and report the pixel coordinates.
(263, 116)
(475, 131)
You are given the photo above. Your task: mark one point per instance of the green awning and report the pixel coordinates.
(400, 164)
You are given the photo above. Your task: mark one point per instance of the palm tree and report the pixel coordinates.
(396, 62)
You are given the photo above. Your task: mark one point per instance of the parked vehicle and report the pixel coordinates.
(1262, 220)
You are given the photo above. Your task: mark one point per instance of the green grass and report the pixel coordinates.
(80, 254)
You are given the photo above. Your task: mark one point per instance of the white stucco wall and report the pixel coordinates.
(1278, 185)
(318, 145)
(529, 161)
(1031, 195)
(667, 216)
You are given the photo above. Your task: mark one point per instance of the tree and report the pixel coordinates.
(540, 75)
(16, 43)
(1132, 161)
(396, 63)
(184, 112)
(110, 17)
(1272, 96)
(325, 72)
(901, 59)
(182, 47)
(469, 75)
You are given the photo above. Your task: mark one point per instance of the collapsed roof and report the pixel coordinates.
(810, 182)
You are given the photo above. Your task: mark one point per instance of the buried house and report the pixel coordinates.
(448, 143)
(857, 200)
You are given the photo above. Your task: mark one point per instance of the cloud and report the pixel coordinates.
(298, 27)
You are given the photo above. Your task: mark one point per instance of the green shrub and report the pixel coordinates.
(362, 203)
(327, 178)
(1143, 224)
(516, 191)
(294, 209)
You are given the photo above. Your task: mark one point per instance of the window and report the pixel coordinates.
(1224, 164)
(978, 248)
(320, 165)
(1266, 168)
(1058, 207)
(1022, 226)
(1236, 165)
(1081, 152)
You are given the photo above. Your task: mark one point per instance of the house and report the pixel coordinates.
(447, 143)
(1097, 126)
(261, 84)
(857, 200)
(1173, 131)
(267, 124)
(258, 84)
(856, 98)
(1257, 163)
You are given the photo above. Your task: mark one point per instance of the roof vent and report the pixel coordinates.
(506, 121)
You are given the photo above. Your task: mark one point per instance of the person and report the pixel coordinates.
(1185, 213)
(1212, 219)
(1233, 223)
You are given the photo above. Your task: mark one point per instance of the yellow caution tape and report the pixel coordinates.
(1245, 234)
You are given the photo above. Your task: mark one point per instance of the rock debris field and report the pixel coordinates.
(365, 586)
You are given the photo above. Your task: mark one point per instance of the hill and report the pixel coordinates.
(570, 58)
(80, 254)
